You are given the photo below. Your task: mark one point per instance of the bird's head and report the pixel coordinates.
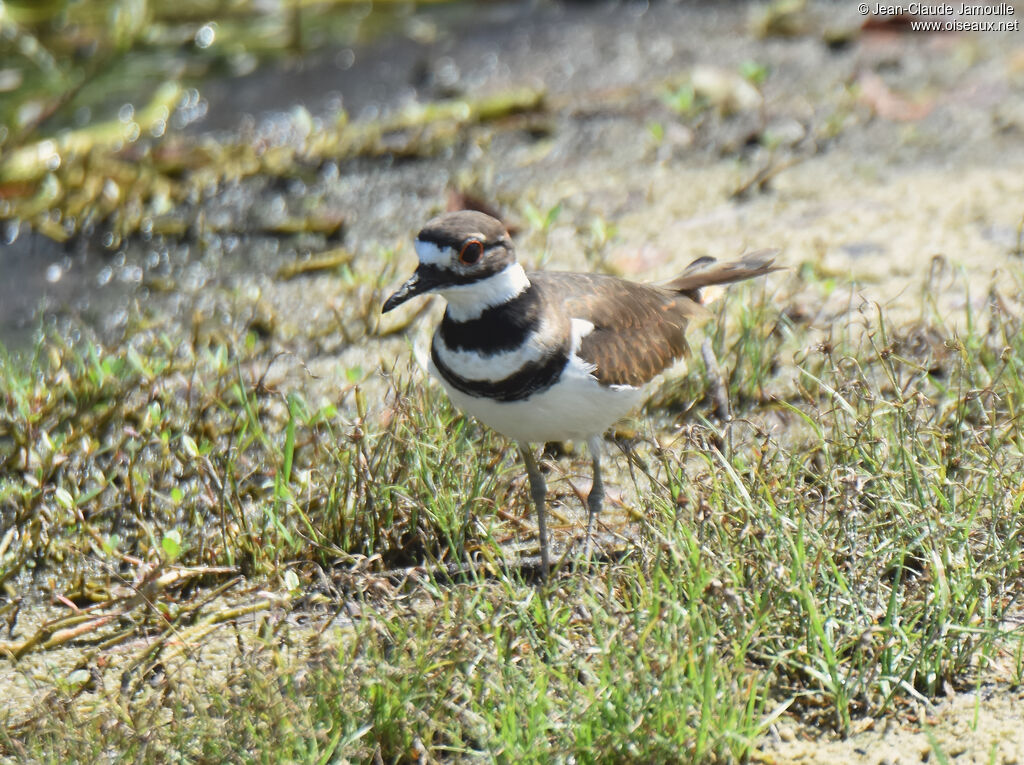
(458, 251)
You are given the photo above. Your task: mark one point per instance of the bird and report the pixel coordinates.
(544, 356)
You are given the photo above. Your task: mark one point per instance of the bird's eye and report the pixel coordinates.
(471, 252)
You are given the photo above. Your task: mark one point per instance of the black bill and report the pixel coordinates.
(423, 280)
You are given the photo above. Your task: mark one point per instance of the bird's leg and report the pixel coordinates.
(596, 496)
(538, 491)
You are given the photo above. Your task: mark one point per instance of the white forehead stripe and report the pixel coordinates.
(431, 254)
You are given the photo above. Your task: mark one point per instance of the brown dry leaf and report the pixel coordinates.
(897, 23)
(887, 103)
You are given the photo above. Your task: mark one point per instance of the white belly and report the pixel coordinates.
(576, 407)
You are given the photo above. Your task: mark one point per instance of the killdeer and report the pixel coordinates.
(550, 356)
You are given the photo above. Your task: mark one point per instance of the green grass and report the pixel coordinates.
(853, 544)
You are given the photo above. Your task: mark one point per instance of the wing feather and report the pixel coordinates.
(639, 329)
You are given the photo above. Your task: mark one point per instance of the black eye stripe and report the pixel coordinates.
(436, 275)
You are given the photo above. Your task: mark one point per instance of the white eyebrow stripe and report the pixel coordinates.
(431, 254)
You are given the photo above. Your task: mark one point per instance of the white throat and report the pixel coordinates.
(467, 301)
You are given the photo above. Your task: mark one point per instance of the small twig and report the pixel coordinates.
(401, 326)
(55, 633)
(329, 260)
(186, 638)
(1020, 238)
(505, 515)
(761, 178)
(531, 563)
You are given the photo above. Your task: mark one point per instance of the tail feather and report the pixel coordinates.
(706, 271)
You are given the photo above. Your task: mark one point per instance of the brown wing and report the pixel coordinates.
(639, 329)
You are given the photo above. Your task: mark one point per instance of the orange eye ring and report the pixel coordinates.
(471, 252)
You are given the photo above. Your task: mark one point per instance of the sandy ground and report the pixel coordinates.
(979, 727)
